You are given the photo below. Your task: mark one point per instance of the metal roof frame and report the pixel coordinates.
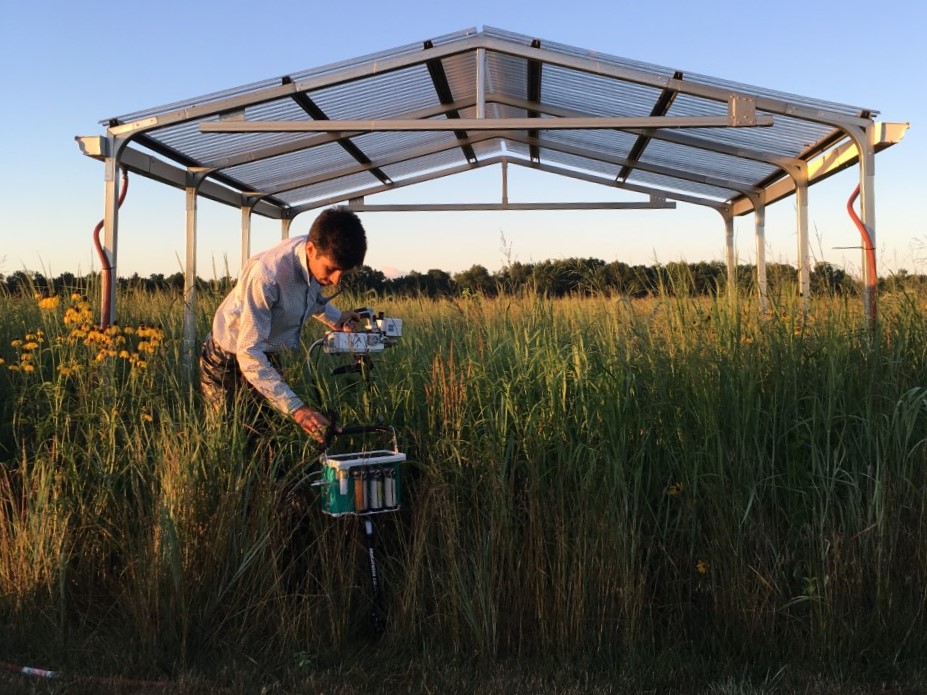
(343, 132)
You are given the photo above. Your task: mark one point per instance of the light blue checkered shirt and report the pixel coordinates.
(265, 312)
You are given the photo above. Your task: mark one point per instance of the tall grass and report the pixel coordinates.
(588, 478)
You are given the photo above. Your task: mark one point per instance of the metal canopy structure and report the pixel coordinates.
(475, 98)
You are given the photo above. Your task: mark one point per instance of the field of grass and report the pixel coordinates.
(601, 495)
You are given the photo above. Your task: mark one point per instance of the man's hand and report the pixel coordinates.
(348, 321)
(313, 422)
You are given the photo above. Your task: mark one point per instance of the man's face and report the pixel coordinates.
(322, 267)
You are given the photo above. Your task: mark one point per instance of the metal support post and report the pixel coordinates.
(730, 256)
(758, 200)
(114, 148)
(246, 210)
(804, 255)
(195, 177)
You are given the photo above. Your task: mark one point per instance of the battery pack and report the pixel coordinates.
(361, 483)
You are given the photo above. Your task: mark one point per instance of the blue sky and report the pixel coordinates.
(69, 65)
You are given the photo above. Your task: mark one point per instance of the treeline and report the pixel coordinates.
(553, 278)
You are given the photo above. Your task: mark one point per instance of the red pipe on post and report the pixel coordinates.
(871, 278)
(106, 270)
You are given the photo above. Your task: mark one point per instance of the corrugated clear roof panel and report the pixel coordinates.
(396, 83)
(460, 71)
(490, 148)
(422, 165)
(595, 95)
(669, 183)
(582, 163)
(663, 71)
(495, 110)
(409, 49)
(378, 96)
(695, 161)
(506, 74)
(204, 147)
(579, 52)
(787, 136)
(342, 188)
(517, 149)
(611, 143)
(378, 146)
(276, 171)
(329, 69)
(845, 109)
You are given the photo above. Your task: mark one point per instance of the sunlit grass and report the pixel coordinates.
(624, 479)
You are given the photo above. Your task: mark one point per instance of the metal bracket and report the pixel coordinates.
(741, 110)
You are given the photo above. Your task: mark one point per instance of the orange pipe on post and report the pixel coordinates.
(871, 278)
(106, 270)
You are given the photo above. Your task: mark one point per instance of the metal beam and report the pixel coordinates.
(499, 159)
(471, 43)
(720, 94)
(654, 204)
(833, 161)
(533, 87)
(313, 111)
(411, 181)
(158, 170)
(660, 108)
(386, 161)
(328, 79)
(654, 134)
(446, 97)
(652, 168)
(540, 143)
(308, 142)
(185, 161)
(415, 125)
(611, 183)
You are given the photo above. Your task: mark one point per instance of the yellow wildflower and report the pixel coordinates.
(13, 367)
(141, 364)
(28, 367)
(702, 567)
(674, 489)
(31, 345)
(75, 297)
(63, 370)
(146, 417)
(16, 343)
(2, 361)
(48, 303)
(124, 354)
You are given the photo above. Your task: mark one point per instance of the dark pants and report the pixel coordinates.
(224, 388)
(226, 391)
